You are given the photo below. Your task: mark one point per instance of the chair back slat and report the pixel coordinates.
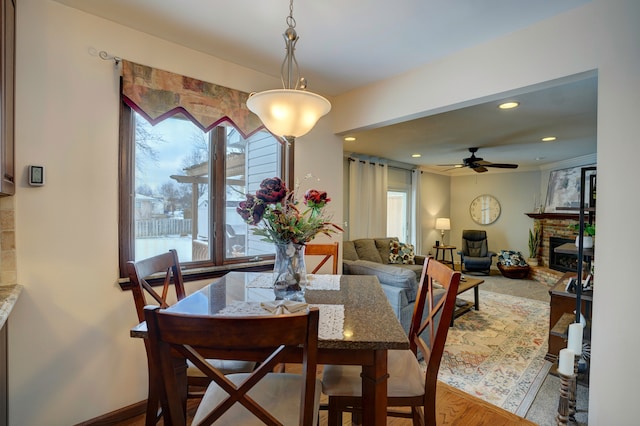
(328, 251)
(256, 338)
(437, 294)
(142, 271)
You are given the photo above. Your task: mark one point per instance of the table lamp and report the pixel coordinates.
(443, 224)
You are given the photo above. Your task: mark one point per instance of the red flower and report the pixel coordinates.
(316, 199)
(272, 190)
(251, 210)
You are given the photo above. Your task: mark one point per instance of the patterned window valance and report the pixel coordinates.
(158, 94)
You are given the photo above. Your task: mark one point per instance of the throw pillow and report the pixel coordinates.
(401, 253)
(511, 258)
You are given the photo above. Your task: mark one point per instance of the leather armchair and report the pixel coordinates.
(475, 255)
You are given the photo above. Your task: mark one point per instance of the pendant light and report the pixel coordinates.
(292, 111)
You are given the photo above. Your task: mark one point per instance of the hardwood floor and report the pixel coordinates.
(454, 408)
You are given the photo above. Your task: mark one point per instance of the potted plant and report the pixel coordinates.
(589, 233)
(535, 239)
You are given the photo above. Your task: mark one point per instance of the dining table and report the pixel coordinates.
(357, 324)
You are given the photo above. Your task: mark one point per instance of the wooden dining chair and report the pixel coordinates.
(328, 251)
(241, 398)
(166, 267)
(409, 384)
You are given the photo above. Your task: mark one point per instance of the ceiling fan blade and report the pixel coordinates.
(502, 165)
(480, 169)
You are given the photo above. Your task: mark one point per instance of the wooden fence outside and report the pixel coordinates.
(162, 227)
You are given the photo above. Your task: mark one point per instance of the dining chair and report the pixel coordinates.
(242, 398)
(166, 267)
(411, 382)
(328, 251)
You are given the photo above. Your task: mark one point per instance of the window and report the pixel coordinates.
(399, 204)
(397, 217)
(180, 188)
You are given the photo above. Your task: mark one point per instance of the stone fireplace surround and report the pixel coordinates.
(553, 225)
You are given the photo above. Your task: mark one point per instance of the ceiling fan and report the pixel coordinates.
(478, 164)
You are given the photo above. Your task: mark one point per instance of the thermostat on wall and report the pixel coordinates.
(36, 175)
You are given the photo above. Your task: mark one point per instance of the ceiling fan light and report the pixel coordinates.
(288, 112)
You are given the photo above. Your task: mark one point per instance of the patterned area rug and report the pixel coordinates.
(497, 353)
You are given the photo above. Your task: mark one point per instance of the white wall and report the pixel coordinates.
(603, 36)
(70, 354)
(514, 191)
(435, 200)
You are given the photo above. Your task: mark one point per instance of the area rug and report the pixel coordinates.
(497, 353)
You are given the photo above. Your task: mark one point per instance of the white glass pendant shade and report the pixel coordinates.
(288, 112)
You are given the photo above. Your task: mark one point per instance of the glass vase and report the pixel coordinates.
(289, 272)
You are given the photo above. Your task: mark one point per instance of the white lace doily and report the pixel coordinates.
(331, 317)
(323, 282)
(315, 281)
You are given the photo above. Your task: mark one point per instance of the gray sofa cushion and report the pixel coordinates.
(349, 251)
(384, 248)
(388, 275)
(367, 250)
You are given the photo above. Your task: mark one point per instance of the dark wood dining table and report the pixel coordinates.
(370, 327)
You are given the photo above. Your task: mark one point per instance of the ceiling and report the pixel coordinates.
(340, 49)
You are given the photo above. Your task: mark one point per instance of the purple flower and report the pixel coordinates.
(251, 210)
(272, 190)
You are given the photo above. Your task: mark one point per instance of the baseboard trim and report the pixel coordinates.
(120, 415)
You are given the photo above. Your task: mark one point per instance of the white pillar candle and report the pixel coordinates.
(565, 365)
(575, 338)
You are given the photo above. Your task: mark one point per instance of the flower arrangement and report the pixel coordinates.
(279, 213)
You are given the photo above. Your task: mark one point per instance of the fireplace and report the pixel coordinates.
(561, 261)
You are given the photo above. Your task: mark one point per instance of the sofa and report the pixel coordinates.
(394, 264)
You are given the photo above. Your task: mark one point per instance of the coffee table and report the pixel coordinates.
(468, 283)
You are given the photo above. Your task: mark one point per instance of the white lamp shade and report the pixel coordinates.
(443, 223)
(288, 112)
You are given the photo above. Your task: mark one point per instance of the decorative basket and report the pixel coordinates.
(514, 272)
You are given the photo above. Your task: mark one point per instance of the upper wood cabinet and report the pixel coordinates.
(7, 95)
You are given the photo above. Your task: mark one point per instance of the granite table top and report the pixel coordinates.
(8, 298)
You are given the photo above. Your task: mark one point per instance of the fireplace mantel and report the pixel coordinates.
(560, 216)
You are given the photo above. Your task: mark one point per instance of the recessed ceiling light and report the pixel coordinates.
(549, 139)
(508, 105)
(349, 138)
(416, 155)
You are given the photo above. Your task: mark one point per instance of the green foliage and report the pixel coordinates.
(535, 239)
(589, 228)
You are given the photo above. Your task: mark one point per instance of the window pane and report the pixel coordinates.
(171, 175)
(249, 162)
(188, 184)
(397, 215)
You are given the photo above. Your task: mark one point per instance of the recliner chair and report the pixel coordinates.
(475, 255)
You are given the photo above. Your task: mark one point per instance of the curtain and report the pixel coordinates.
(367, 199)
(416, 216)
(156, 94)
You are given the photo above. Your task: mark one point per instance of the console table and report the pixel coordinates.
(562, 306)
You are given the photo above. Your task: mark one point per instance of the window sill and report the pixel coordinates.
(210, 272)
